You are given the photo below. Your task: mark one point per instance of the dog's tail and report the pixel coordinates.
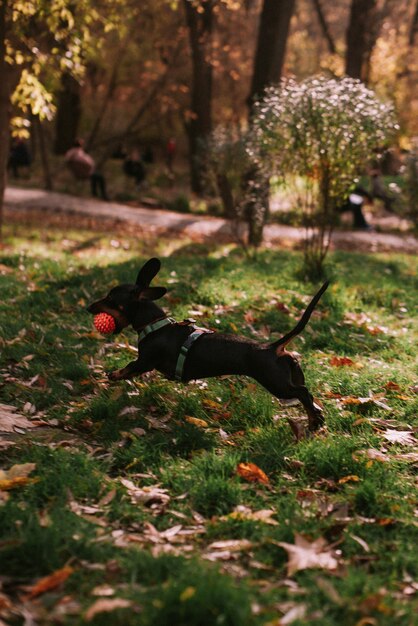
(281, 343)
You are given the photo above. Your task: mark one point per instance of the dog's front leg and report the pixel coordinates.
(132, 369)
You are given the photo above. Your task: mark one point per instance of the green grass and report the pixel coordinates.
(166, 556)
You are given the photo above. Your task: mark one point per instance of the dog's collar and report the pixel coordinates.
(151, 328)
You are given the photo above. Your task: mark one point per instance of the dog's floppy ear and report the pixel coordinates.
(147, 273)
(153, 293)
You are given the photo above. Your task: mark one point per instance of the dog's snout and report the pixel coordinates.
(96, 307)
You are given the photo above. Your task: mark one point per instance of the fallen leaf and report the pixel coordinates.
(376, 455)
(226, 550)
(196, 421)
(105, 605)
(304, 554)
(245, 513)
(391, 386)
(146, 495)
(233, 545)
(402, 437)
(16, 476)
(349, 479)
(366, 401)
(103, 591)
(158, 424)
(9, 419)
(52, 581)
(211, 404)
(410, 457)
(252, 473)
(341, 361)
(296, 612)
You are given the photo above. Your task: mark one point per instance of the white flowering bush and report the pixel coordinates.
(325, 131)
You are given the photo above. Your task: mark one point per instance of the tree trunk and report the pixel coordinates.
(44, 154)
(68, 114)
(271, 45)
(366, 18)
(199, 19)
(4, 110)
(273, 33)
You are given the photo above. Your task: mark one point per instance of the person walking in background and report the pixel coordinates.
(19, 156)
(134, 167)
(354, 203)
(83, 167)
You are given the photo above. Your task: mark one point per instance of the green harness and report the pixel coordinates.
(181, 359)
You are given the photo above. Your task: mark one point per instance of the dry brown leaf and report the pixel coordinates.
(367, 400)
(391, 386)
(402, 437)
(106, 605)
(376, 455)
(341, 361)
(410, 457)
(146, 495)
(252, 473)
(10, 420)
(305, 554)
(158, 424)
(52, 581)
(293, 613)
(227, 550)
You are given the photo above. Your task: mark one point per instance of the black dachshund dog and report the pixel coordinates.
(181, 351)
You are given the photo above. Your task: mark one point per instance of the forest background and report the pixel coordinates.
(122, 74)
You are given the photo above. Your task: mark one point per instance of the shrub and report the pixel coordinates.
(323, 131)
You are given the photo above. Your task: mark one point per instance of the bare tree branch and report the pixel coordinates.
(324, 26)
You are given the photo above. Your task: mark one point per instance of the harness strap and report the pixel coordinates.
(151, 328)
(178, 375)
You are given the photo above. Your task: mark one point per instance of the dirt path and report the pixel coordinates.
(45, 206)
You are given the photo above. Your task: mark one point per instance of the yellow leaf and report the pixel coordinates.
(211, 404)
(12, 483)
(187, 594)
(16, 476)
(196, 421)
(352, 478)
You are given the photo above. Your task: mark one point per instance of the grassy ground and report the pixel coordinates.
(134, 510)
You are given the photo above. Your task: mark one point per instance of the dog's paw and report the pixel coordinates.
(316, 421)
(115, 375)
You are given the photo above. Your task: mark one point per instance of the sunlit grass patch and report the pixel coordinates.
(136, 484)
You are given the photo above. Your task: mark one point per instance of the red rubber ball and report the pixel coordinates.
(104, 323)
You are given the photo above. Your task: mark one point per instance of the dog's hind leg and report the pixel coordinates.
(287, 390)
